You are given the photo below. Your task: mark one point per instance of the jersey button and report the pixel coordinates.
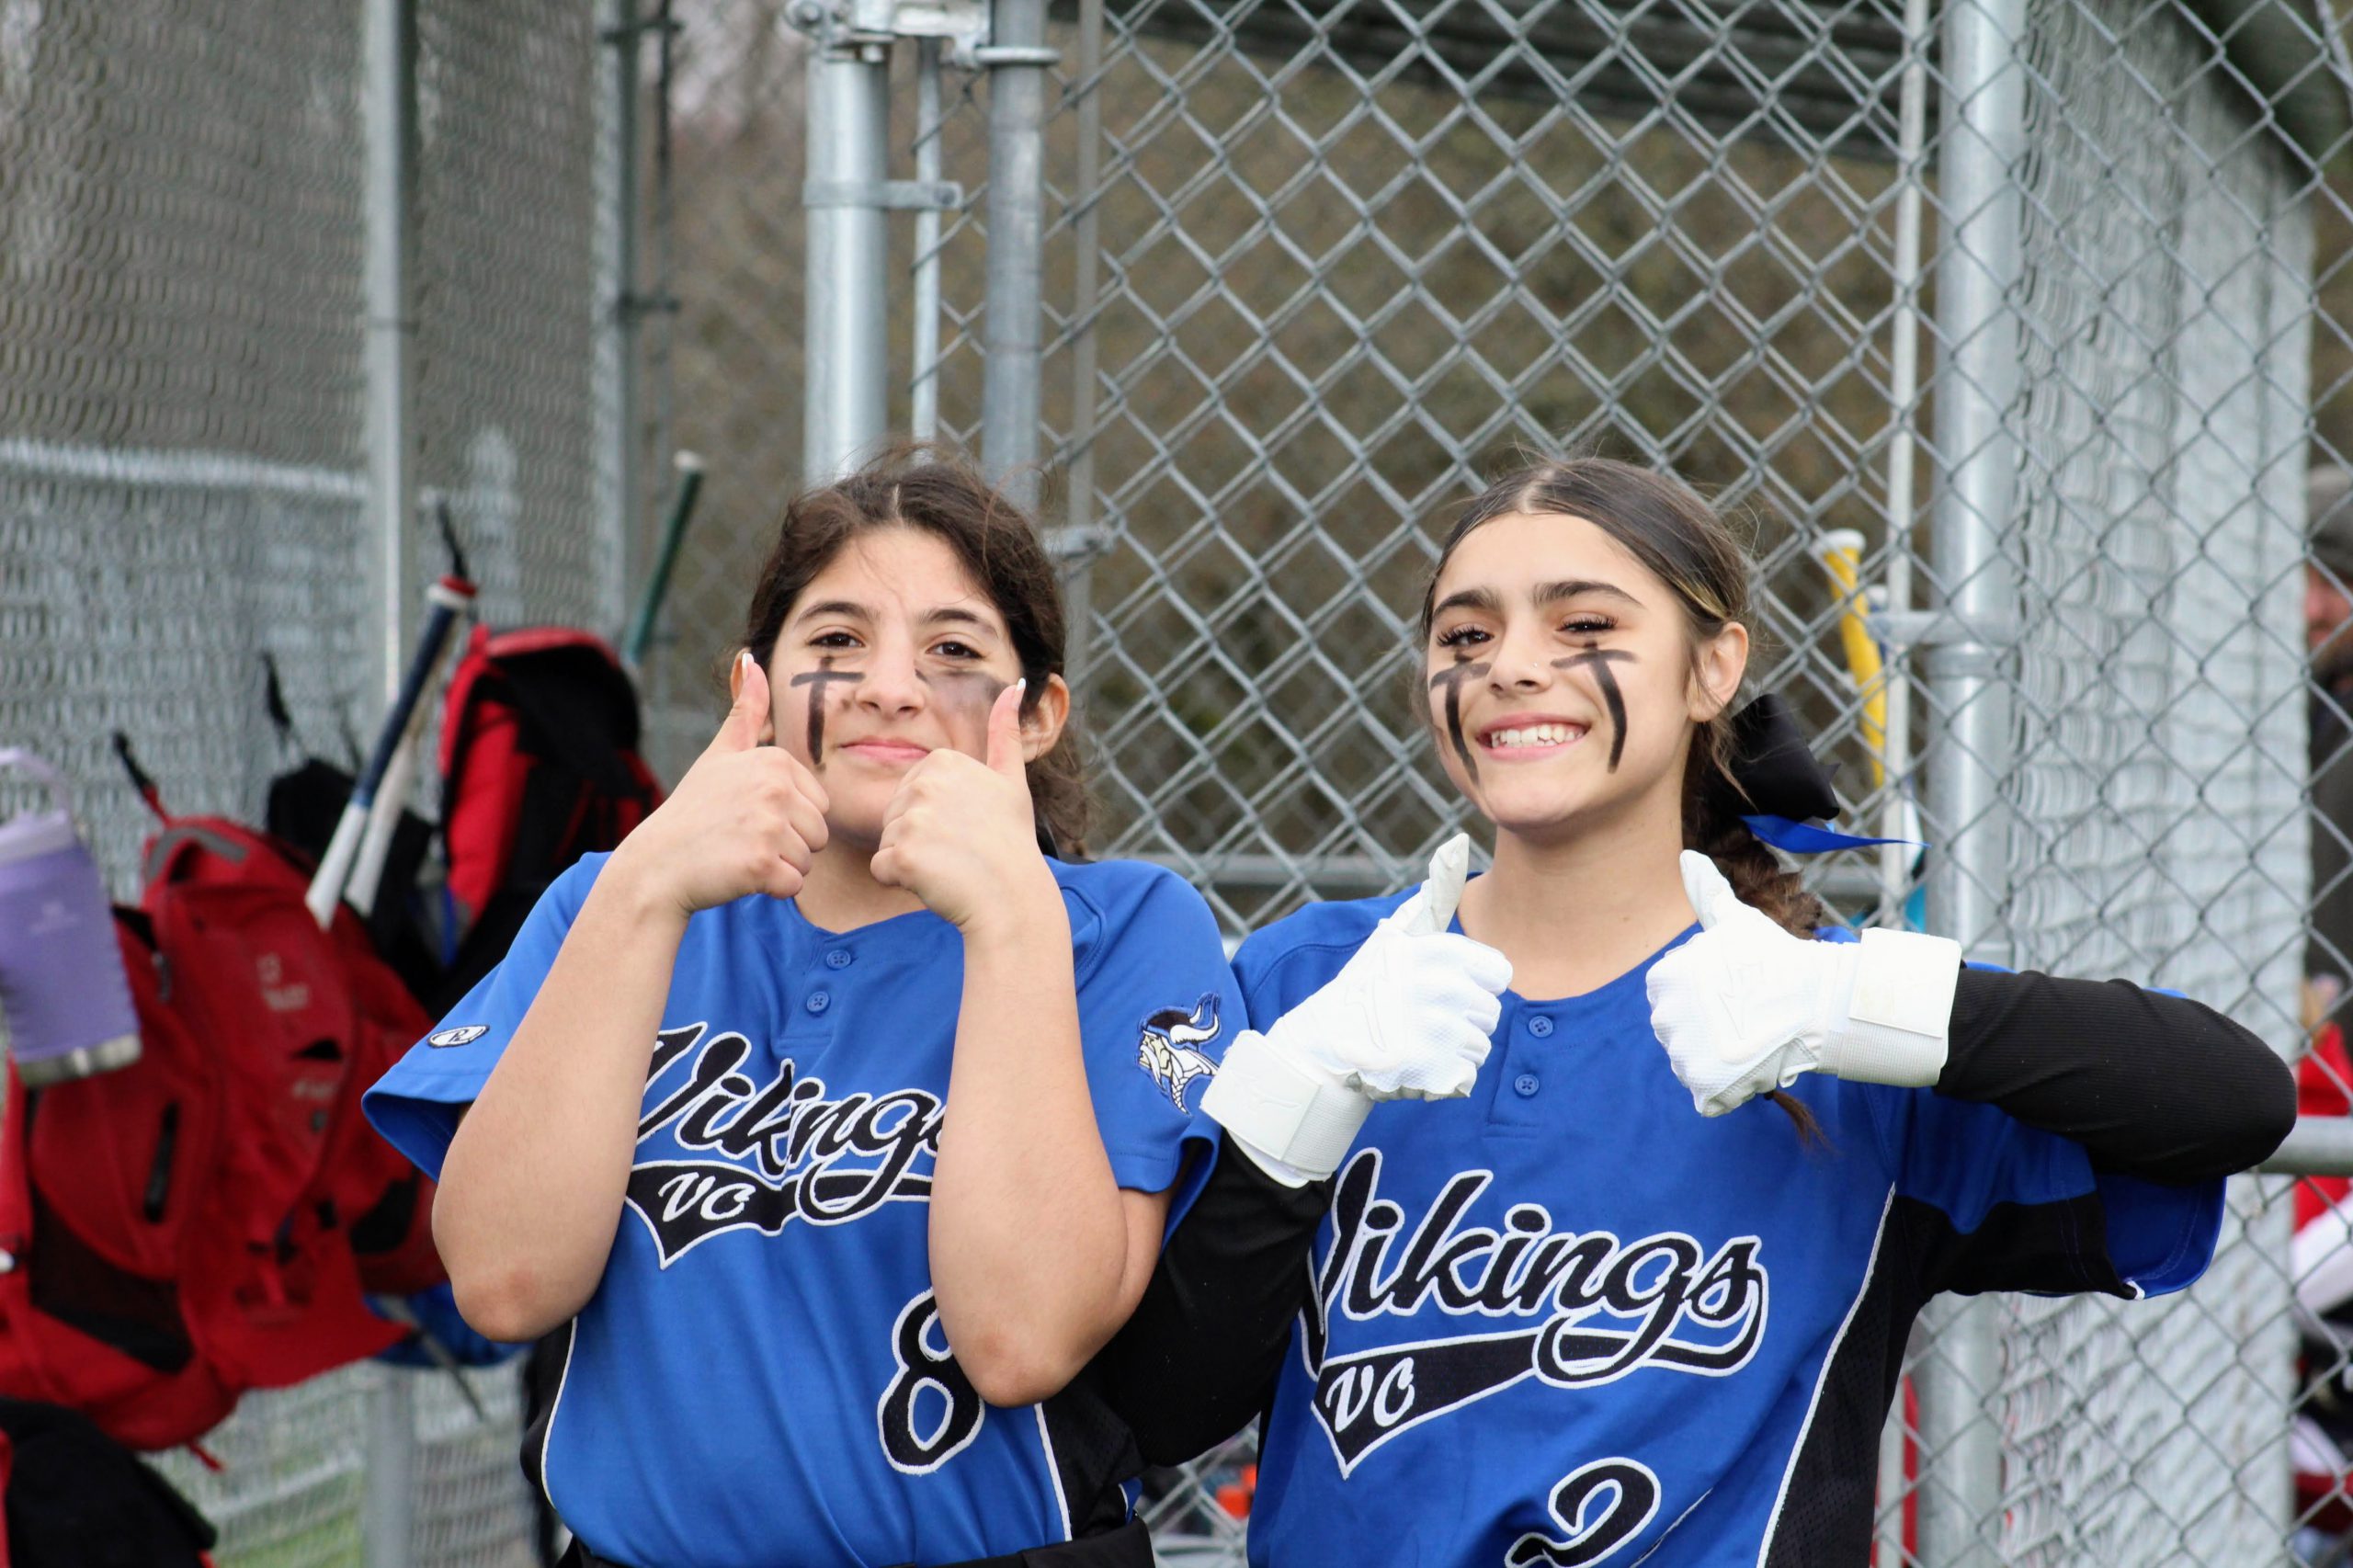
(818, 1001)
(1526, 1086)
(837, 958)
(1540, 1026)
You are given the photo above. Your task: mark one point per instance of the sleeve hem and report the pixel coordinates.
(2194, 1231)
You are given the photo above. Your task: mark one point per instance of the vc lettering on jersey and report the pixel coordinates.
(785, 1150)
(1602, 1307)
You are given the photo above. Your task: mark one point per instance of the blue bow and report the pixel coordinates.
(1775, 784)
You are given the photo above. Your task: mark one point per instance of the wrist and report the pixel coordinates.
(1290, 1116)
(1022, 909)
(634, 891)
(1893, 1022)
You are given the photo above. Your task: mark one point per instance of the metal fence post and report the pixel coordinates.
(388, 49)
(846, 342)
(1086, 236)
(617, 348)
(1980, 264)
(1018, 59)
(389, 1507)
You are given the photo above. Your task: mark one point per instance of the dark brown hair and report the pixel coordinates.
(922, 487)
(1681, 541)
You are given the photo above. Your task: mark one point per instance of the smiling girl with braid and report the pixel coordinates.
(1588, 1305)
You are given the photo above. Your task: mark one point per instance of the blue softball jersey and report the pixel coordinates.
(761, 1379)
(1568, 1319)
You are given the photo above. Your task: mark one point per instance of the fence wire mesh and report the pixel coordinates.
(182, 489)
(1315, 270)
(2156, 760)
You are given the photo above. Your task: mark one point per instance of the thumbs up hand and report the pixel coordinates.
(1745, 1007)
(746, 818)
(1411, 1015)
(960, 834)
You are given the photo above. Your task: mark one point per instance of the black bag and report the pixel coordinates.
(77, 1499)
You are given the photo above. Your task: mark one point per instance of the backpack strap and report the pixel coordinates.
(273, 700)
(164, 850)
(141, 780)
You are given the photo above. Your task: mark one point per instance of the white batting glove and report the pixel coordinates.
(1744, 1007)
(1408, 1017)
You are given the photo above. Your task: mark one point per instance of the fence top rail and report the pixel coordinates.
(1834, 67)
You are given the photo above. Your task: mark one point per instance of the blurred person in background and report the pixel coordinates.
(2321, 1263)
(2328, 636)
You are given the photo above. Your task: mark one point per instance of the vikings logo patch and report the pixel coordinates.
(1164, 1048)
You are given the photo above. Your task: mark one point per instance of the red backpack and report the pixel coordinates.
(539, 766)
(183, 1229)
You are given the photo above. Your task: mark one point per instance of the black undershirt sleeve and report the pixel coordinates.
(1198, 1359)
(2153, 1087)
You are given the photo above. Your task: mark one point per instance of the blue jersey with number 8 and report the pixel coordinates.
(760, 1378)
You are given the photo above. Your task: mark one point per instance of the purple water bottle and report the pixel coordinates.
(64, 1003)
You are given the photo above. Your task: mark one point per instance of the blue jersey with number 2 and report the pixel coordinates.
(1568, 1319)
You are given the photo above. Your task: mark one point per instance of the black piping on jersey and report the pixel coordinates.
(1089, 1451)
(1821, 1378)
(1824, 1515)
(540, 1402)
(1055, 1469)
(1092, 1456)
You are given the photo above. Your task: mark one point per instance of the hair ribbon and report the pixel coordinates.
(1776, 786)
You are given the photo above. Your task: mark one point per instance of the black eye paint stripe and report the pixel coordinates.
(965, 680)
(1598, 661)
(820, 677)
(1452, 679)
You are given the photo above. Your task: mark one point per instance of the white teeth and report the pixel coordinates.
(1534, 735)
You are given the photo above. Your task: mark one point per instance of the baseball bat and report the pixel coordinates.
(445, 600)
(657, 586)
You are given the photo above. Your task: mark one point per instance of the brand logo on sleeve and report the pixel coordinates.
(1567, 1308)
(784, 1151)
(1165, 1047)
(444, 1039)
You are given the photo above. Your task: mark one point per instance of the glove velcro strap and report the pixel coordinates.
(1899, 1018)
(1282, 1109)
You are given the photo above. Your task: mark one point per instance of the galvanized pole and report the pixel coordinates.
(1977, 271)
(389, 192)
(1904, 395)
(845, 303)
(1083, 541)
(389, 52)
(1896, 861)
(923, 411)
(1018, 60)
(618, 352)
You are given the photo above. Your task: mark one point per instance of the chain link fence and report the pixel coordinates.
(2036, 311)
(183, 488)
(2017, 303)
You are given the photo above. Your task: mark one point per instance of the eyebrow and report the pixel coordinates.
(960, 617)
(833, 607)
(949, 614)
(1484, 599)
(1577, 588)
